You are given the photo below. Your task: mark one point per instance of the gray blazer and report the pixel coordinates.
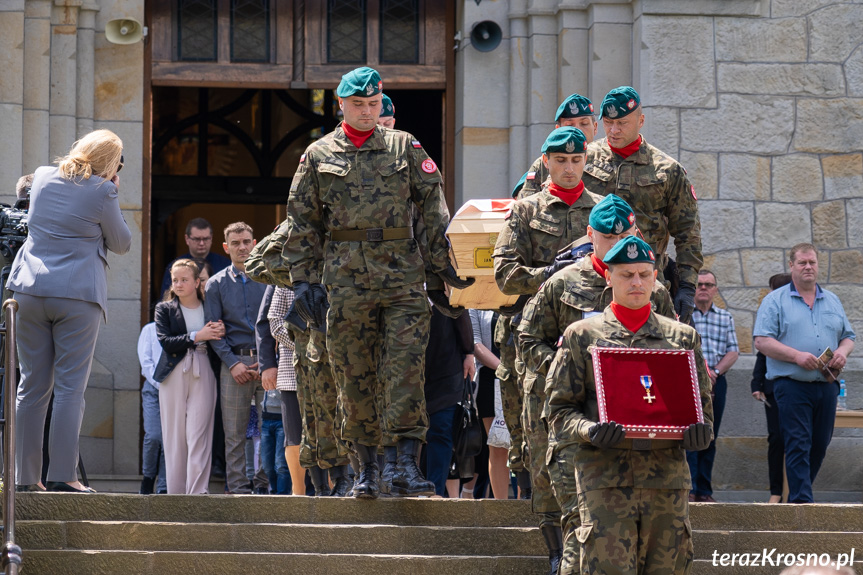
(72, 225)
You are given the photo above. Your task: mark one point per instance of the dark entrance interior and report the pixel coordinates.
(228, 154)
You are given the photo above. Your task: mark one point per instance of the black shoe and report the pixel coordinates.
(523, 479)
(408, 480)
(554, 541)
(341, 481)
(391, 455)
(366, 487)
(319, 481)
(261, 491)
(66, 488)
(34, 488)
(147, 486)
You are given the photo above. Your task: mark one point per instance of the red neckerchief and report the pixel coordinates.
(632, 319)
(356, 137)
(628, 149)
(570, 196)
(599, 266)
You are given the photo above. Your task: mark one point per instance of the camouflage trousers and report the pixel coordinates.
(628, 530)
(318, 398)
(543, 500)
(377, 341)
(561, 473)
(510, 393)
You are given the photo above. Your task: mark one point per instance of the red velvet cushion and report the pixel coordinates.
(621, 395)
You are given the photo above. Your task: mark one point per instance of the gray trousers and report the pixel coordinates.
(236, 401)
(56, 341)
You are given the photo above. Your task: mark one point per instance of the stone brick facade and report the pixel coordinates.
(62, 79)
(761, 100)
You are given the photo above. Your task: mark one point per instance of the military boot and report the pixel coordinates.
(355, 472)
(366, 486)
(554, 541)
(341, 482)
(391, 455)
(408, 480)
(319, 480)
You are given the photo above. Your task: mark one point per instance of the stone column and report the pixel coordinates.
(610, 40)
(64, 45)
(573, 52)
(84, 70)
(11, 94)
(519, 91)
(542, 28)
(37, 82)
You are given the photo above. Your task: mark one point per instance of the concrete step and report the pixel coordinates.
(282, 509)
(399, 511)
(279, 538)
(212, 563)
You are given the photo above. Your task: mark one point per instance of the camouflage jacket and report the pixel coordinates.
(571, 406)
(657, 188)
(265, 263)
(535, 230)
(537, 174)
(567, 297)
(340, 188)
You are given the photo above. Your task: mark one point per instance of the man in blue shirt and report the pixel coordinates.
(795, 325)
(199, 238)
(235, 299)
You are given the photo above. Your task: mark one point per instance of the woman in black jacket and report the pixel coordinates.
(187, 394)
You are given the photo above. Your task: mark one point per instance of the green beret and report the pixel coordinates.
(630, 250)
(574, 107)
(519, 185)
(566, 140)
(611, 216)
(619, 103)
(388, 110)
(363, 82)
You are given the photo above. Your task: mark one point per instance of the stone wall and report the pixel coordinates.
(61, 80)
(761, 100)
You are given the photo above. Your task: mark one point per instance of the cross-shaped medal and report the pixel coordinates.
(647, 383)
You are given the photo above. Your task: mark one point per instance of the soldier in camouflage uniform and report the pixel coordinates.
(654, 184)
(524, 257)
(576, 112)
(317, 395)
(632, 493)
(570, 295)
(350, 226)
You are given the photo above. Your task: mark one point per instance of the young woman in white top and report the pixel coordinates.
(187, 394)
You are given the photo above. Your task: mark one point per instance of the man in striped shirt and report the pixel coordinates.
(719, 345)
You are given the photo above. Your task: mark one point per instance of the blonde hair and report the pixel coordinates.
(98, 153)
(196, 274)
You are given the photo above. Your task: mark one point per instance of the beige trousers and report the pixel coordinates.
(187, 400)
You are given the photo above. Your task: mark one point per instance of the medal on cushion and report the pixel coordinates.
(647, 383)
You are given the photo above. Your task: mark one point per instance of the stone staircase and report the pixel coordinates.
(132, 534)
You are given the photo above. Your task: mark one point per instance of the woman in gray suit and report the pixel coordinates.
(60, 282)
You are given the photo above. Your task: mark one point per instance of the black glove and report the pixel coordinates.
(697, 437)
(684, 301)
(561, 261)
(311, 303)
(441, 302)
(450, 277)
(605, 435)
(511, 310)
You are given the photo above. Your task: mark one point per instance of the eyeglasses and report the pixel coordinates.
(202, 240)
(706, 285)
(120, 167)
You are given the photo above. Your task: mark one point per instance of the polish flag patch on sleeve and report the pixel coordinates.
(428, 166)
(692, 189)
(416, 144)
(302, 158)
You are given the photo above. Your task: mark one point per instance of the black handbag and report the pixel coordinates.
(468, 433)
